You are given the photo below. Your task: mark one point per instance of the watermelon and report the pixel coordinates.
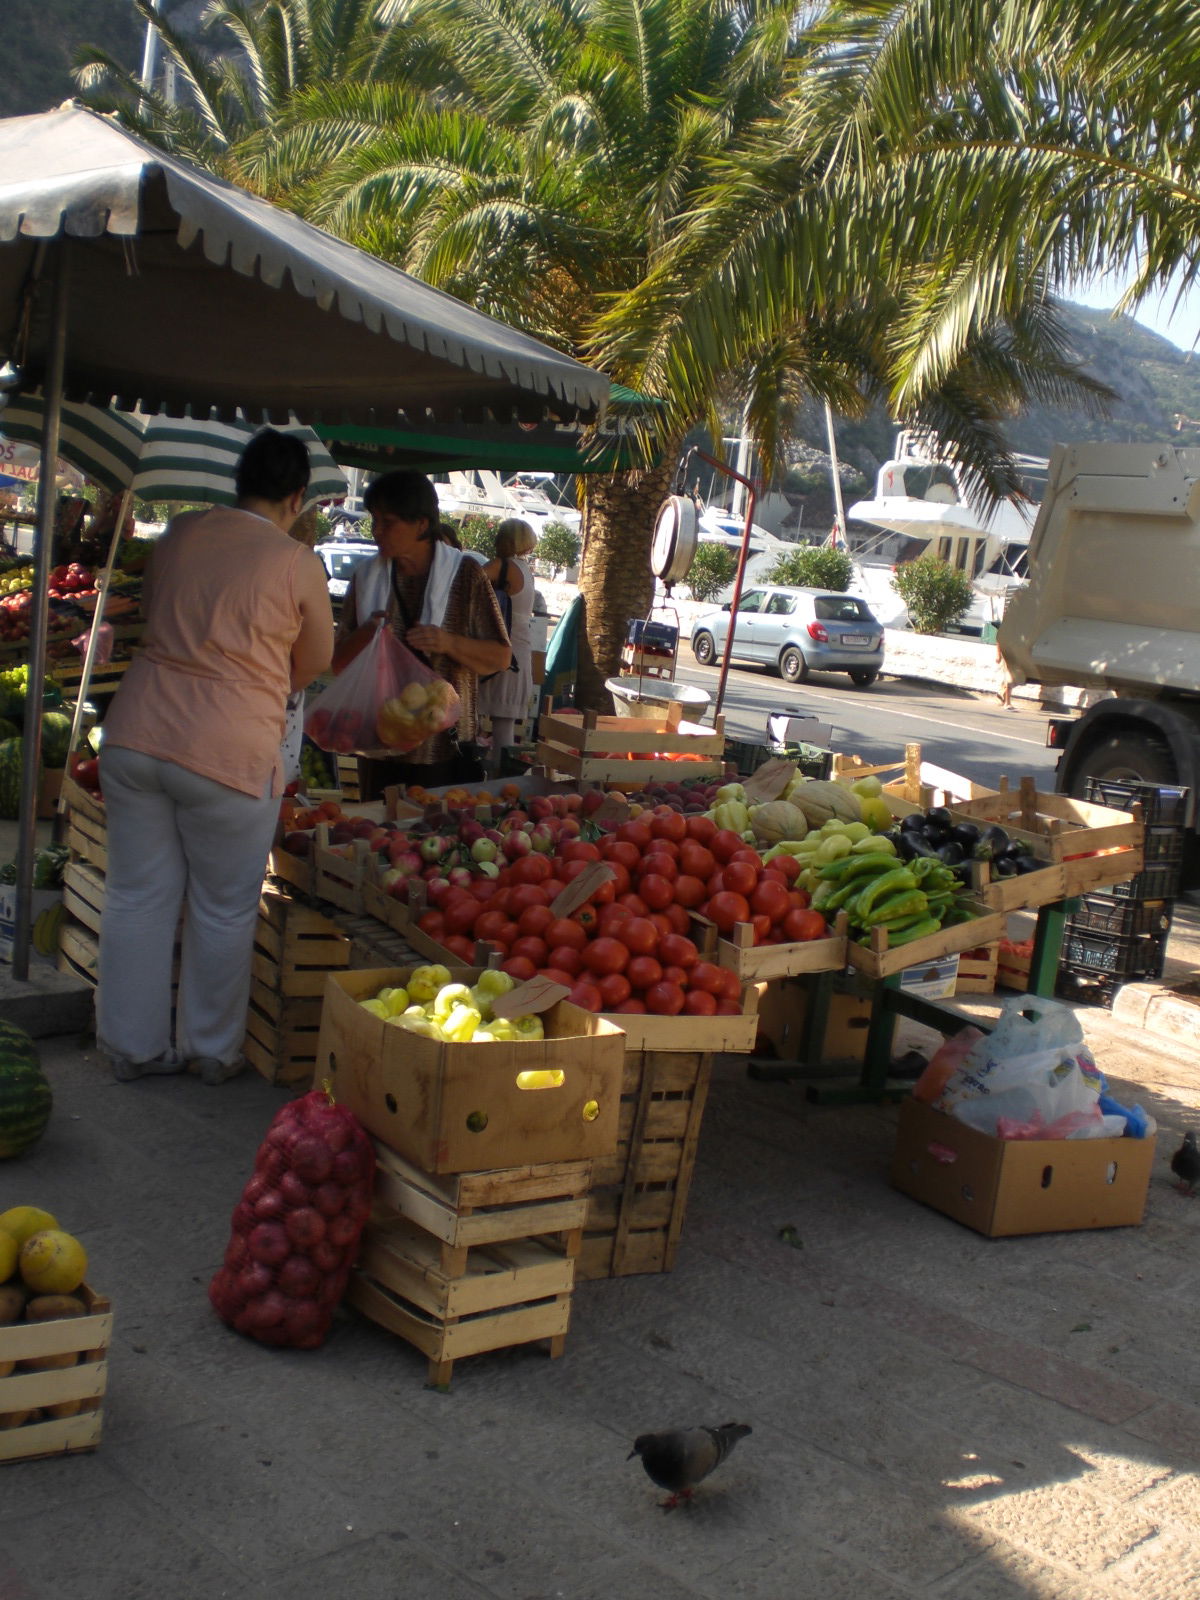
(8, 730)
(10, 779)
(25, 1096)
(56, 738)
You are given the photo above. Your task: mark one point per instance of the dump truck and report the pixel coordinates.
(1113, 604)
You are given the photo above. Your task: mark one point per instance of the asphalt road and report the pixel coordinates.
(965, 732)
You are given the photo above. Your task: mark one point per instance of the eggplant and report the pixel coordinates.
(1004, 867)
(967, 834)
(940, 816)
(997, 838)
(1027, 863)
(912, 844)
(936, 835)
(913, 823)
(952, 853)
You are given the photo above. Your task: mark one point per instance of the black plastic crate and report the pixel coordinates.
(1164, 844)
(1160, 803)
(653, 636)
(1159, 882)
(1114, 955)
(1124, 918)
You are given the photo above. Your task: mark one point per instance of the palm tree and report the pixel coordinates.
(705, 197)
(586, 170)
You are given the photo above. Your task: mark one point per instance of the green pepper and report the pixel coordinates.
(919, 930)
(902, 904)
(855, 868)
(880, 887)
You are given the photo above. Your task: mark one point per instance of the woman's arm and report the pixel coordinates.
(480, 656)
(313, 645)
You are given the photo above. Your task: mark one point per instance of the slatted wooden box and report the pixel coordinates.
(65, 1402)
(639, 1197)
(295, 947)
(627, 752)
(460, 1264)
(977, 970)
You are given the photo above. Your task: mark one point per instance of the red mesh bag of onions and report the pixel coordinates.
(297, 1226)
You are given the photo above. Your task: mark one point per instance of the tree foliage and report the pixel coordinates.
(936, 593)
(479, 534)
(558, 547)
(814, 567)
(711, 571)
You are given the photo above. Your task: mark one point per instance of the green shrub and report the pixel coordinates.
(813, 567)
(935, 593)
(558, 547)
(713, 568)
(479, 534)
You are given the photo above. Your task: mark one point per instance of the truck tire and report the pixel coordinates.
(1144, 759)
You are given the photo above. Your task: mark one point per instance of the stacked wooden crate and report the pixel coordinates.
(295, 947)
(83, 881)
(468, 1262)
(484, 1168)
(54, 1374)
(639, 1195)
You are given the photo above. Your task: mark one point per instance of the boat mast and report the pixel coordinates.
(835, 470)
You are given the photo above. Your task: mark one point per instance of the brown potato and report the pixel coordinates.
(6, 1367)
(49, 1307)
(69, 1358)
(12, 1303)
(65, 1408)
(17, 1419)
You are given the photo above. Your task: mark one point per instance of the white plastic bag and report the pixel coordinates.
(1033, 1069)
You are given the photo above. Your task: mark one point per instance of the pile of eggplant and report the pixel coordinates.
(957, 844)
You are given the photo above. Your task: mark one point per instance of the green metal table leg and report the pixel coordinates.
(1047, 946)
(872, 1085)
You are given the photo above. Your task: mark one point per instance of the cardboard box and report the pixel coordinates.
(782, 1013)
(1002, 1187)
(933, 980)
(459, 1107)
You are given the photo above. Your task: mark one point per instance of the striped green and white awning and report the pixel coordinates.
(161, 458)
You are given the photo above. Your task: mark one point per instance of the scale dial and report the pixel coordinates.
(673, 547)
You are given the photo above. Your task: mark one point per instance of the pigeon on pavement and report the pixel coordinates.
(1185, 1164)
(680, 1459)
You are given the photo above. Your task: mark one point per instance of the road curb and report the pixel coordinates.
(1169, 1011)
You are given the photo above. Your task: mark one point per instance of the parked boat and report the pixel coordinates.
(920, 505)
(481, 493)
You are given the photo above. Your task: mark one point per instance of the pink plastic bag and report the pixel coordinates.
(946, 1059)
(385, 703)
(104, 643)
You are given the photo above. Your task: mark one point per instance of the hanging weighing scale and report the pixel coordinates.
(652, 643)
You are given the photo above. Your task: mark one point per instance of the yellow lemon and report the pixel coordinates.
(9, 1251)
(23, 1221)
(53, 1262)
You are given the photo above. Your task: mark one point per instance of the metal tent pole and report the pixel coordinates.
(31, 763)
(89, 655)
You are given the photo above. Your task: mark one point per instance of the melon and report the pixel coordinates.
(53, 1262)
(25, 1097)
(10, 779)
(56, 738)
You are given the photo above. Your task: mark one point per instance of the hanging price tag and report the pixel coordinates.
(614, 808)
(769, 782)
(529, 999)
(581, 889)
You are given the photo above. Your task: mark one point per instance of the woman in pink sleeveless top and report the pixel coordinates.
(237, 616)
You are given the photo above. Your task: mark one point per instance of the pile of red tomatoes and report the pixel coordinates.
(628, 949)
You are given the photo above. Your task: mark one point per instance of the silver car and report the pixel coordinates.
(797, 631)
(340, 559)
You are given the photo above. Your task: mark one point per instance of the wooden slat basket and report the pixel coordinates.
(63, 1401)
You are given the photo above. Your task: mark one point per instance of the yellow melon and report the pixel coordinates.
(53, 1262)
(24, 1221)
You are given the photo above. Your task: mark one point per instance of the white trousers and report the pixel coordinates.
(175, 837)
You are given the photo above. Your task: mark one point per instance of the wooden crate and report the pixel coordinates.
(294, 948)
(1013, 967)
(478, 1261)
(910, 779)
(338, 879)
(78, 951)
(638, 1199)
(977, 970)
(761, 963)
(80, 1385)
(606, 750)
(877, 960)
(83, 894)
(731, 1034)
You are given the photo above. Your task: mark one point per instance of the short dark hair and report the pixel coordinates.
(408, 495)
(272, 467)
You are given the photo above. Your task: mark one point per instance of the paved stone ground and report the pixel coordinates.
(935, 1414)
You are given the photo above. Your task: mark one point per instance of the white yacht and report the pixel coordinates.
(481, 493)
(919, 504)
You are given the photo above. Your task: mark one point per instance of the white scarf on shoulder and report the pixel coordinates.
(373, 585)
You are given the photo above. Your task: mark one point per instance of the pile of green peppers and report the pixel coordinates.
(911, 900)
